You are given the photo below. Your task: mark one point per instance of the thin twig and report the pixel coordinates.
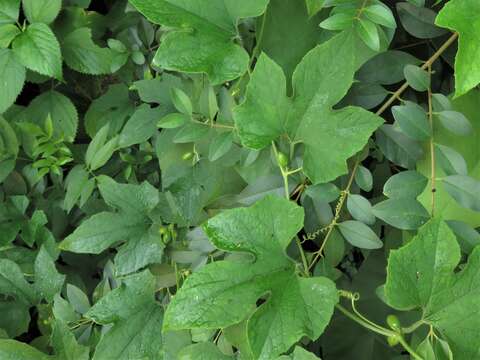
(379, 112)
(432, 144)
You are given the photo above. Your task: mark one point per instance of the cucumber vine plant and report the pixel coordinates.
(223, 179)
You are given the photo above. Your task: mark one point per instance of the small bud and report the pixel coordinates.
(394, 323)
(187, 156)
(393, 340)
(282, 159)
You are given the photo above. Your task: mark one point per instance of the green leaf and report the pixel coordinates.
(467, 236)
(299, 354)
(338, 21)
(464, 189)
(136, 318)
(202, 351)
(360, 209)
(130, 224)
(201, 42)
(65, 344)
(467, 147)
(141, 126)
(12, 282)
(75, 183)
(450, 160)
(8, 32)
(260, 119)
(181, 101)
(458, 16)
(104, 153)
(406, 184)
(12, 78)
(455, 122)
(416, 77)
(413, 121)
(314, 6)
(403, 213)
(15, 350)
(83, 55)
(43, 11)
(380, 14)
(48, 281)
(363, 178)
(397, 147)
(422, 274)
(360, 235)
(61, 110)
(9, 10)
(368, 32)
(418, 21)
(37, 49)
(172, 121)
(220, 145)
(226, 291)
(77, 298)
(8, 139)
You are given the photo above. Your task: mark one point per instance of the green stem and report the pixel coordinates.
(413, 327)
(376, 329)
(409, 349)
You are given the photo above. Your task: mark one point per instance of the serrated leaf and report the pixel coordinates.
(12, 78)
(136, 318)
(360, 235)
(61, 110)
(406, 184)
(37, 49)
(403, 213)
(421, 275)
(43, 11)
(83, 55)
(207, 47)
(457, 15)
(104, 153)
(226, 290)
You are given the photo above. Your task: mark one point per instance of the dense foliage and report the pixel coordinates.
(226, 179)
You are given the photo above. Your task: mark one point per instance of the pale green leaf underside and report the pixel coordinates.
(203, 40)
(463, 16)
(223, 293)
(15, 350)
(421, 275)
